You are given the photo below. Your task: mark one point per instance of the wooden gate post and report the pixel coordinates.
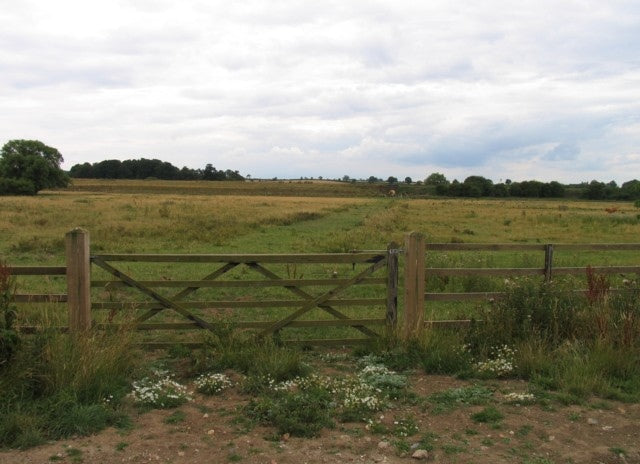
(414, 285)
(78, 279)
(392, 285)
(548, 262)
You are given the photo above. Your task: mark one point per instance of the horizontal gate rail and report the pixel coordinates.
(326, 301)
(37, 270)
(249, 324)
(237, 304)
(328, 258)
(239, 283)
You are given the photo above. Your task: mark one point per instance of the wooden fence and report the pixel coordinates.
(373, 268)
(415, 246)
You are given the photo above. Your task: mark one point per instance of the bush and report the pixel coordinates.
(16, 187)
(529, 309)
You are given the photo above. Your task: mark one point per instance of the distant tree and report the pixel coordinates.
(408, 180)
(436, 178)
(553, 189)
(28, 166)
(630, 190)
(531, 188)
(392, 180)
(82, 171)
(477, 186)
(595, 190)
(345, 178)
(372, 179)
(500, 190)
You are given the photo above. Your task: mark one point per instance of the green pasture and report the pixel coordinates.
(184, 217)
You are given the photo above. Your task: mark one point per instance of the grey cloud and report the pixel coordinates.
(562, 152)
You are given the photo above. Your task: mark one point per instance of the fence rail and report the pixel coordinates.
(377, 268)
(547, 271)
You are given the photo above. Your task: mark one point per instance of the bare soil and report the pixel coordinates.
(213, 431)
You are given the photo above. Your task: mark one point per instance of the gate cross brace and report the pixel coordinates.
(187, 291)
(167, 303)
(318, 301)
(307, 296)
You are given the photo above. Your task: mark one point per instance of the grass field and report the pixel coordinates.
(209, 217)
(576, 347)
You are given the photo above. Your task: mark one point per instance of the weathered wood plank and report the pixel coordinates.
(239, 304)
(78, 279)
(247, 258)
(503, 271)
(310, 342)
(598, 270)
(476, 296)
(597, 247)
(531, 247)
(414, 280)
(444, 271)
(32, 329)
(247, 324)
(237, 283)
(483, 247)
(40, 298)
(37, 270)
(471, 296)
(392, 284)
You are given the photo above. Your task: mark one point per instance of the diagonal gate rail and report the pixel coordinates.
(370, 266)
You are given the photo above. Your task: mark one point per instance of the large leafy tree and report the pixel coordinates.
(28, 166)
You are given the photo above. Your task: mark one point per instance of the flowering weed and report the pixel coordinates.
(159, 391)
(212, 384)
(500, 363)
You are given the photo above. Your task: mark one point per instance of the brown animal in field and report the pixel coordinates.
(392, 193)
(611, 210)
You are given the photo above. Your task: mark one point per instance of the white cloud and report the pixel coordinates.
(330, 88)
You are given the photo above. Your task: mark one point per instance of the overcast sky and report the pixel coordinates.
(529, 89)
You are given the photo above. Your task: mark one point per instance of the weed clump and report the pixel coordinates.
(9, 339)
(58, 385)
(579, 344)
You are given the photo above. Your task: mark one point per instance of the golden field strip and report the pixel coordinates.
(123, 216)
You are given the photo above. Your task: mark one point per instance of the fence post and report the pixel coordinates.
(548, 262)
(414, 284)
(78, 279)
(392, 285)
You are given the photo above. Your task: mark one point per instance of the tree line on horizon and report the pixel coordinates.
(148, 168)
(28, 166)
(478, 186)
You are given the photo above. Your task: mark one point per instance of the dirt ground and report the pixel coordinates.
(212, 431)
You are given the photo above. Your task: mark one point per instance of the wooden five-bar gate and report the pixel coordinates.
(154, 301)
